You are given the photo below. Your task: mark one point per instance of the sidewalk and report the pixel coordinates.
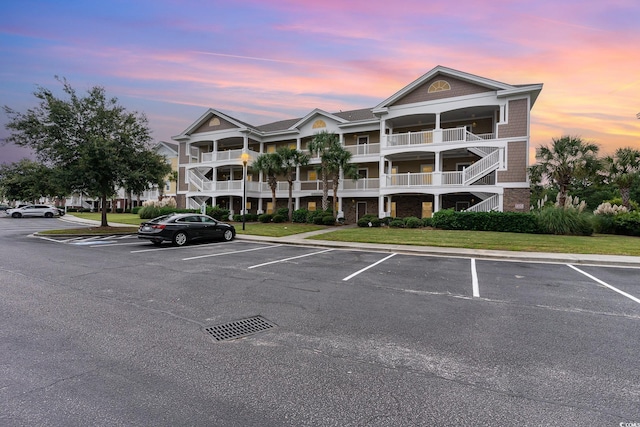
(301, 239)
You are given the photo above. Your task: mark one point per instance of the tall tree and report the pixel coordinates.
(27, 180)
(565, 160)
(92, 138)
(269, 164)
(290, 159)
(320, 146)
(622, 169)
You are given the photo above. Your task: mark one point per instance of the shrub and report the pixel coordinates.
(513, 222)
(369, 221)
(412, 222)
(136, 210)
(627, 223)
(557, 220)
(218, 213)
(265, 218)
(427, 222)
(119, 210)
(312, 215)
(396, 223)
(282, 211)
(328, 220)
(237, 218)
(279, 218)
(300, 215)
(149, 212)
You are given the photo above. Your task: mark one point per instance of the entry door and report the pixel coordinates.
(361, 209)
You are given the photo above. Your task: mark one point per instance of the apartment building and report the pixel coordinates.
(447, 140)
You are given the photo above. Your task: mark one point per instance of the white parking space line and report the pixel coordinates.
(230, 253)
(474, 279)
(171, 248)
(289, 259)
(115, 244)
(623, 293)
(366, 268)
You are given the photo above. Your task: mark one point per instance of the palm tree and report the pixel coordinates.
(622, 169)
(321, 145)
(567, 159)
(291, 159)
(339, 159)
(270, 166)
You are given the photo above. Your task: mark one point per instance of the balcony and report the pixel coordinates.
(437, 136)
(229, 156)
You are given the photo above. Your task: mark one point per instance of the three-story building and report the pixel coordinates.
(447, 140)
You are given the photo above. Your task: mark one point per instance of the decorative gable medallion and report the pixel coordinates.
(439, 86)
(319, 124)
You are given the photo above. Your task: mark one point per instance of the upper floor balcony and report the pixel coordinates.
(436, 136)
(223, 157)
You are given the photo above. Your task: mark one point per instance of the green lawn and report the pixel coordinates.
(597, 244)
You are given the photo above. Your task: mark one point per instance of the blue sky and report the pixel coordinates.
(266, 61)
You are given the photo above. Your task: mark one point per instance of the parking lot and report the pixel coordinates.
(354, 337)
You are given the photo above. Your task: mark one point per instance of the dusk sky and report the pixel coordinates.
(262, 61)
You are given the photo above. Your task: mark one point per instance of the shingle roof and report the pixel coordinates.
(352, 116)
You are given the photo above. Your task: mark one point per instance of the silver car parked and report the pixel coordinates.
(34, 210)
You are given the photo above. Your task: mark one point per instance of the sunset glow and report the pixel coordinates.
(267, 61)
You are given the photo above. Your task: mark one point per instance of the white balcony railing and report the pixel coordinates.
(363, 149)
(228, 155)
(361, 184)
(436, 136)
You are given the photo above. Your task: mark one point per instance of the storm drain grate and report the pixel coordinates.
(239, 328)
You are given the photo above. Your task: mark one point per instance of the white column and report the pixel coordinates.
(245, 143)
(437, 167)
(436, 202)
(381, 212)
(297, 199)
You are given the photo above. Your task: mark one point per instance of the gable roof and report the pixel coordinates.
(502, 89)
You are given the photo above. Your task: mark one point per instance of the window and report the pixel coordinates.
(269, 207)
(311, 206)
(167, 185)
(271, 148)
(312, 175)
(363, 139)
(293, 145)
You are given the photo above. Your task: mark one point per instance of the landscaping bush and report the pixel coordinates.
(313, 215)
(282, 211)
(627, 224)
(396, 223)
(513, 222)
(557, 220)
(237, 218)
(119, 210)
(136, 210)
(328, 220)
(218, 213)
(300, 215)
(369, 221)
(149, 212)
(265, 218)
(427, 222)
(318, 220)
(412, 222)
(278, 218)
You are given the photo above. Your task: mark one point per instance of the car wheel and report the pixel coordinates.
(228, 235)
(48, 215)
(180, 238)
(157, 242)
(16, 215)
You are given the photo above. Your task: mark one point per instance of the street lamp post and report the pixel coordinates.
(245, 159)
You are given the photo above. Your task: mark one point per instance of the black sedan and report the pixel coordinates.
(183, 228)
